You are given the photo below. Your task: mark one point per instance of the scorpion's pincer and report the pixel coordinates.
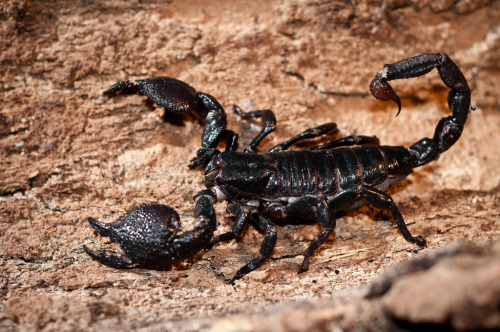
(144, 234)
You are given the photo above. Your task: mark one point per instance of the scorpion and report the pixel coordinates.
(280, 186)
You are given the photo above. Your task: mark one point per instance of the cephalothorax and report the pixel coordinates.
(279, 186)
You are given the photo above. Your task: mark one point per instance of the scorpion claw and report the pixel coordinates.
(116, 260)
(144, 234)
(382, 90)
(102, 228)
(147, 235)
(127, 87)
(167, 92)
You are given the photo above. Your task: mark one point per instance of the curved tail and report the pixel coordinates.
(449, 129)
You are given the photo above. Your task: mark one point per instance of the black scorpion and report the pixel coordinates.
(279, 186)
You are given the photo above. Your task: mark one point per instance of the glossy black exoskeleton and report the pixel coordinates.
(268, 188)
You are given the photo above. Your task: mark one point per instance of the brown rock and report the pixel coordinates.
(461, 291)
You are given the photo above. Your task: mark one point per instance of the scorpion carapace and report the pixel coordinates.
(279, 186)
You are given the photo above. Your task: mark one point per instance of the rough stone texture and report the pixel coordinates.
(456, 288)
(68, 153)
(464, 290)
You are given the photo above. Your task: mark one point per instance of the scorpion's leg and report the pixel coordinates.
(268, 120)
(307, 134)
(322, 212)
(448, 129)
(349, 141)
(383, 201)
(242, 214)
(322, 130)
(266, 247)
(231, 140)
(326, 219)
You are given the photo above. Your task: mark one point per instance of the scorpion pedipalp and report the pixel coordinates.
(147, 236)
(169, 93)
(144, 235)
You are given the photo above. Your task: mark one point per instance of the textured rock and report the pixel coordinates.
(68, 153)
(453, 289)
(461, 291)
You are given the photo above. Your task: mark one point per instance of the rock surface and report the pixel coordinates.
(68, 153)
(456, 288)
